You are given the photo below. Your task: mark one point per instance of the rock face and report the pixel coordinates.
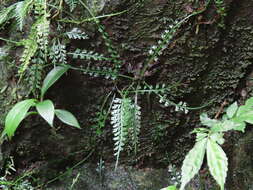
(207, 62)
(123, 179)
(241, 165)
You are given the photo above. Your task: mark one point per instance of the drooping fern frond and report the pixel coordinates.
(43, 28)
(30, 48)
(33, 76)
(7, 14)
(21, 11)
(77, 34)
(58, 53)
(72, 4)
(88, 55)
(126, 124)
(119, 120)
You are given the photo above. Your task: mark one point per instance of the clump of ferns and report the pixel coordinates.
(126, 114)
(38, 37)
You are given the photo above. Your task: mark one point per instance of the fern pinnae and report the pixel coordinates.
(21, 11)
(118, 120)
(7, 14)
(72, 4)
(135, 125)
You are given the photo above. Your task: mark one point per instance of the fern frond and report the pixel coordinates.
(72, 4)
(30, 49)
(58, 53)
(107, 73)
(76, 33)
(43, 27)
(126, 124)
(119, 120)
(7, 14)
(21, 11)
(89, 55)
(111, 49)
(135, 125)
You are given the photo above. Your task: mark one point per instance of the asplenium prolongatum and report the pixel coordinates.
(210, 139)
(45, 108)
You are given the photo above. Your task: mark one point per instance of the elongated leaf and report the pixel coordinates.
(193, 162)
(239, 125)
(67, 117)
(46, 110)
(51, 78)
(249, 102)
(231, 110)
(16, 115)
(217, 162)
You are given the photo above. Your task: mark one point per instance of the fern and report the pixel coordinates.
(72, 4)
(119, 120)
(21, 11)
(135, 125)
(76, 33)
(7, 14)
(43, 28)
(110, 47)
(30, 49)
(126, 123)
(88, 55)
(58, 53)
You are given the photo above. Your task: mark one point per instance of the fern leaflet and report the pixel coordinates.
(7, 14)
(22, 9)
(88, 55)
(76, 33)
(126, 123)
(119, 121)
(72, 4)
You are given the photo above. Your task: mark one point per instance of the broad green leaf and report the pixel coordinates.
(217, 162)
(245, 113)
(51, 78)
(239, 125)
(200, 136)
(16, 115)
(231, 110)
(242, 110)
(46, 110)
(193, 162)
(223, 126)
(249, 102)
(67, 117)
(205, 120)
(217, 137)
(172, 187)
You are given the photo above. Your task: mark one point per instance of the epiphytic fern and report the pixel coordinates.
(126, 122)
(21, 11)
